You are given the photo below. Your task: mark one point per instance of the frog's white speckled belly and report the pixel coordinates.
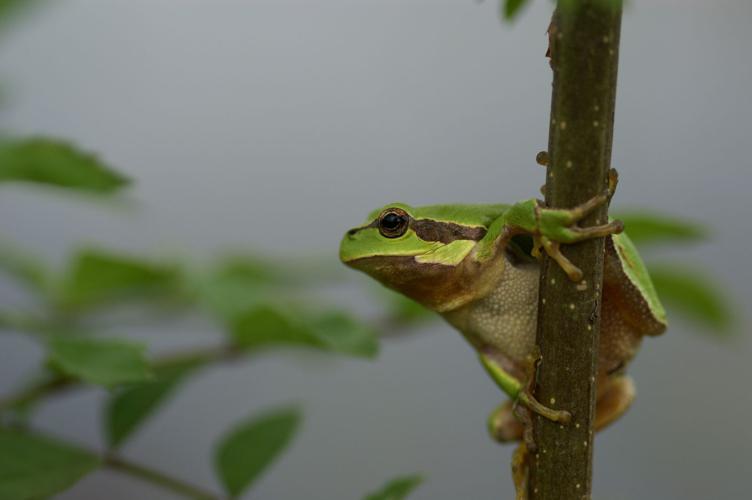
(506, 318)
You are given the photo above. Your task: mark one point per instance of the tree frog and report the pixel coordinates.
(477, 266)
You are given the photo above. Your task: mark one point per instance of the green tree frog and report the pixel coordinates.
(477, 266)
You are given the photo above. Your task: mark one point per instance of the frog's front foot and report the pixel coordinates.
(557, 226)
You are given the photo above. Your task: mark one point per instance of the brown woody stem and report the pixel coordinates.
(584, 37)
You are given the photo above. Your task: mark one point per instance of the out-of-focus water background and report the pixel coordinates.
(276, 125)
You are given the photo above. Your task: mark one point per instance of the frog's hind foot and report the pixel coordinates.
(504, 425)
(560, 416)
(521, 471)
(614, 401)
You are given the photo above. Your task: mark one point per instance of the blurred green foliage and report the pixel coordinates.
(95, 277)
(260, 304)
(244, 453)
(9, 8)
(645, 228)
(56, 163)
(396, 489)
(129, 405)
(35, 466)
(695, 296)
(105, 362)
(330, 330)
(510, 8)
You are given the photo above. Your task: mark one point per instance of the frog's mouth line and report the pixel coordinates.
(396, 266)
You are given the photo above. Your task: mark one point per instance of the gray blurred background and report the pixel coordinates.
(276, 125)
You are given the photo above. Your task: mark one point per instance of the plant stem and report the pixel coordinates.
(158, 478)
(584, 37)
(60, 383)
(37, 390)
(224, 353)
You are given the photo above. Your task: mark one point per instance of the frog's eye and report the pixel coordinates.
(393, 222)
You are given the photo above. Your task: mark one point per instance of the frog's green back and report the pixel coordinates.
(470, 215)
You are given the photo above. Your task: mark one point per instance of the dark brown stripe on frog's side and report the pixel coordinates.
(445, 232)
(431, 230)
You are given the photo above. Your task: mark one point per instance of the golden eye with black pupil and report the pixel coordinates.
(393, 222)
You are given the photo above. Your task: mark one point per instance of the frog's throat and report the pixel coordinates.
(439, 287)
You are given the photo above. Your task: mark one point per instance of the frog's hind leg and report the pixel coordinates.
(519, 392)
(614, 400)
(503, 424)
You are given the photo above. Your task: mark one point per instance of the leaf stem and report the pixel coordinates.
(158, 478)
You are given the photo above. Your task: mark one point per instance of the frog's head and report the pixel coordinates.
(426, 253)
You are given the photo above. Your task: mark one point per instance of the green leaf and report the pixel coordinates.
(693, 295)
(649, 228)
(97, 276)
(239, 282)
(56, 163)
(341, 332)
(396, 489)
(7, 6)
(265, 326)
(131, 405)
(10, 8)
(251, 269)
(248, 449)
(236, 286)
(512, 8)
(99, 361)
(34, 467)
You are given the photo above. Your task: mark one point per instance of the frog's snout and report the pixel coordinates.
(345, 246)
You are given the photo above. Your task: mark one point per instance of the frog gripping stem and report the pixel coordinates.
(559, 226)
